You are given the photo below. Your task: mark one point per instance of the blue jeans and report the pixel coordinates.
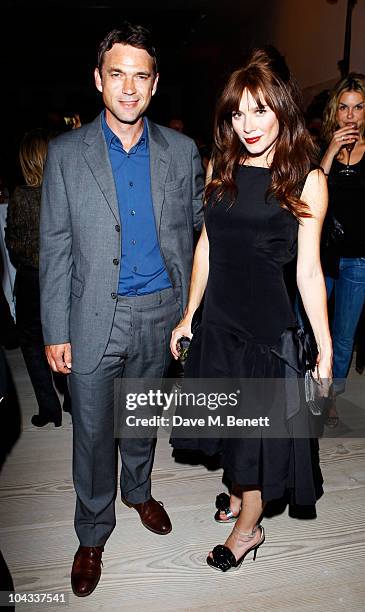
(349, 290)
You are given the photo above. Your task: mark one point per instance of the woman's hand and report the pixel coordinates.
(182, 329)
(342, 137)
(324, 366)
(323, 373)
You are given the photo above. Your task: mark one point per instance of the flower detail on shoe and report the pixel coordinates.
(223, 558)
(222, 503)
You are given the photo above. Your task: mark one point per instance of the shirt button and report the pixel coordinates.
(117, 228)
(134, 268)
(115, 261)
(133, 242)
(133, 212)
(130, 183)
(114, 296)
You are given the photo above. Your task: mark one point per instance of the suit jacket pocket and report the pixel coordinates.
(77, 287)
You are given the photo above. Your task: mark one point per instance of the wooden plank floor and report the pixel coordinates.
(304, 565)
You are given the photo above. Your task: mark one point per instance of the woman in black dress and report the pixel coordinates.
(265, 204)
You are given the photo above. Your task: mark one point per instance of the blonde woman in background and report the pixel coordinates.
(343, 162)
(22, 241)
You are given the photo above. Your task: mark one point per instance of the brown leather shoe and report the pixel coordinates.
(86, 570)
(153, 516)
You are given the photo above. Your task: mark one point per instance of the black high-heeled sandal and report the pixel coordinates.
(222, 503)
(223, 558)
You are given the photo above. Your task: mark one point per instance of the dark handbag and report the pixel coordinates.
(184, 342)
(316, 391)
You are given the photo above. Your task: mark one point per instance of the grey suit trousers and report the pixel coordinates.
(138, 347)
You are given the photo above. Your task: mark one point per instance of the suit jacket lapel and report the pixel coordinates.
(97, 158)
(159, 164)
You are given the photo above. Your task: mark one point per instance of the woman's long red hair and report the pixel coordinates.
(267, 77)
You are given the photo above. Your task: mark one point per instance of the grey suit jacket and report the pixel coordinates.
(80, 237)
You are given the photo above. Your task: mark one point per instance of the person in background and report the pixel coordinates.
(8, 333)
(176, 123)
(4, 191)
(343, 257)
(9, 435)
(360, 344)
(7, 270)
(314, 115)
(205, 150)
(72, 120)
(22, 241)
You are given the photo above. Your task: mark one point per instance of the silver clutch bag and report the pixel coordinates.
(317, 391)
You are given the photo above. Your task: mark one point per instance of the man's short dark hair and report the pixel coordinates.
(134, 35)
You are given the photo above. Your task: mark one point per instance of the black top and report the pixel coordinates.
(250, 242)
(22, 226)
(347, 204)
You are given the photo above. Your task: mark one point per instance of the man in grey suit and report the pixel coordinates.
(121, 197)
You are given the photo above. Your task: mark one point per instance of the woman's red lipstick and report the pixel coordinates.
(252, 140)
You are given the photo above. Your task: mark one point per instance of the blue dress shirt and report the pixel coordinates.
(142, 268)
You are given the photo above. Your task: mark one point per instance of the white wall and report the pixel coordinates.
(310, 33)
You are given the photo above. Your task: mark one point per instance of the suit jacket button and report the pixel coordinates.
(115, 261)
(117, 228)
(114, 296)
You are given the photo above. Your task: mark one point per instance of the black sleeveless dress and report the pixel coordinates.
(247, 331)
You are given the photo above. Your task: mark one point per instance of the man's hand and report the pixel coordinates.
(59, 357)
